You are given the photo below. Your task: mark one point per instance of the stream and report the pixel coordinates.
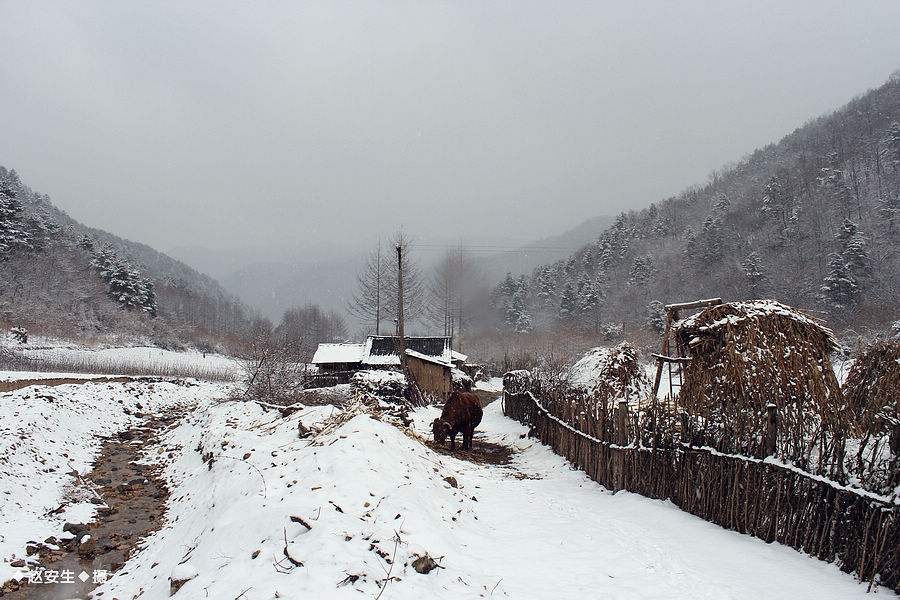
(131, 505)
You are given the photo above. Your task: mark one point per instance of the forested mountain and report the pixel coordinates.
(60, 277)
(813, 221)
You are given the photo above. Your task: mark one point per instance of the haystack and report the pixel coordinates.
(872, 389)
(757, 352)
(612, 374)
(749, 355)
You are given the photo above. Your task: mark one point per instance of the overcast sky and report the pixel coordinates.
(226, 124)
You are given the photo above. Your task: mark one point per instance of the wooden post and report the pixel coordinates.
(622, 423)
(621, 440)
(771, 430)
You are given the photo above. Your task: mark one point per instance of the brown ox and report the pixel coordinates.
(462, 412)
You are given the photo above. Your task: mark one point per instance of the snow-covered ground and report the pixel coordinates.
(48, 432)
(369, 493)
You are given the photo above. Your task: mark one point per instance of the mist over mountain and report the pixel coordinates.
(273, 279)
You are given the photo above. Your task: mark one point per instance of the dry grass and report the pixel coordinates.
(872, 388)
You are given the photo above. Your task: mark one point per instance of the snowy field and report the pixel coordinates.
(46, 433)
(369, 493)
(141, 360)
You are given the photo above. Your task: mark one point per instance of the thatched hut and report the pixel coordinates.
(749, 356)
(611, 375)
(872, 390)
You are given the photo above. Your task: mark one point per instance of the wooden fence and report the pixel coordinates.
(858, 531)
(320, 380)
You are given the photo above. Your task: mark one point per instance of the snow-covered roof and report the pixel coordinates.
(382, 350)
(458, 356)
(430, 359)
(338, 353)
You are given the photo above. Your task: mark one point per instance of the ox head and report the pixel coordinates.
(441, 430)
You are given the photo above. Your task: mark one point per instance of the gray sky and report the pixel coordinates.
(226, 124)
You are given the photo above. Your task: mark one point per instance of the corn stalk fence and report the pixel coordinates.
(643, 453)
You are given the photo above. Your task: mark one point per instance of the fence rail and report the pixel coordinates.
(852, 528)
(321, 380)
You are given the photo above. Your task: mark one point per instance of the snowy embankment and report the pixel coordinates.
(47, 434)
(357, 504)
(141, 360)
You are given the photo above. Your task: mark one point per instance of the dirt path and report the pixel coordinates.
(134, 504)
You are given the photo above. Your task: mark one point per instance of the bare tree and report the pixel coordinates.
(367, 303)
(303, 328)
(376, 295)
(452, 287)
(415, 292)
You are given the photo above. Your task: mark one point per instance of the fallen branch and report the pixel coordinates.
(393, 560)
(296, 519)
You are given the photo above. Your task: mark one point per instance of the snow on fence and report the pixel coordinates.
(856, 529)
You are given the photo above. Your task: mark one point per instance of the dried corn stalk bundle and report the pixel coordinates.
(872, 393)
(749, 355)
(611, 375)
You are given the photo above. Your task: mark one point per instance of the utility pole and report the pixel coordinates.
(459, 297)
(402, 342)
(378, 291)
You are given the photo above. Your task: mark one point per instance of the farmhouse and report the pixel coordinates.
(335, 358)
(430, 360)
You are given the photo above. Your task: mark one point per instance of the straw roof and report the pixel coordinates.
(756, 353)
(872, 388)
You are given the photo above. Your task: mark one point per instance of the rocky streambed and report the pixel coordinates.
(131, 502)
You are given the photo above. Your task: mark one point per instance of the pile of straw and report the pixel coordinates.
(872, 388)
(611, 375)
(749, 355)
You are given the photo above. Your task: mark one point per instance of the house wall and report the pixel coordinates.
(338, 367)
(432, 379)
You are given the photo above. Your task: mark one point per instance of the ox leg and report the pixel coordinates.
(452, 440)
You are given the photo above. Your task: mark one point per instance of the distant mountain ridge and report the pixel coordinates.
(813, 221)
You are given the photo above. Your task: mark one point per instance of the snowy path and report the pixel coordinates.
(554, 535)
(563, 535)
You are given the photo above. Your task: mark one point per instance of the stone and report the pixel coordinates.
(87, 546)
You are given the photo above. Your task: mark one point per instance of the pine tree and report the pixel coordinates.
(839, 288)
(754, 275)
(656, 316)
(523, 323)
(12, 231)
(641, 270)
(854, 252)
(568, 304)
(587, 298)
